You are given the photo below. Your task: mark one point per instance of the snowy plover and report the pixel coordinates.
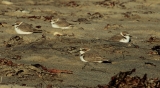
(86, 55)
(24, 28)
(60, 23)
(122, 37)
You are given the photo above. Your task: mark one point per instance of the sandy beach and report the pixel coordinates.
(46, 60)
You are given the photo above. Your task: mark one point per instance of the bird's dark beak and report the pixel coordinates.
(13, 24)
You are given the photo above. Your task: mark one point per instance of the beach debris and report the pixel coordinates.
(142, 57)
(72, 49)
(72, 4)
(107, 26)
(49, 86)
(63, 34)
(38, 26)
(41, 39)
(52, 70)
(71, 35)
(135, 46)
(4, 61)
(27, 71)
(149, 63)
(152, 53)
(81, 28)
(67, 3)
(82, 20)
(153, 39)
(114, 26)
(108, 3)
(129, 15)
(124, 80)
(34, 17)
(95, 15)
(14, 86)
(157, 49)
(16, 57)
(1, 24)
(47, 18)
(15, 40)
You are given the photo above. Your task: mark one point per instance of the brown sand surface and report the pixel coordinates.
(141, 18)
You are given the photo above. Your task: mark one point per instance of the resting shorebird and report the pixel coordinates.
(86, 55)
(24, 28)
(122, 37)
(60, 23)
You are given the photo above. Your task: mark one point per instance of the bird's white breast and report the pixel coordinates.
(21, 32)
(125, 40)
(54, 25)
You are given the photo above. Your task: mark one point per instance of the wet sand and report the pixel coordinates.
(95, 21)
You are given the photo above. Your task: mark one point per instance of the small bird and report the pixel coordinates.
(24, 28)
(60, 23)
(86, 55)
(123, 37)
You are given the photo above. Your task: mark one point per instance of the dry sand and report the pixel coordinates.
(90, 18)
